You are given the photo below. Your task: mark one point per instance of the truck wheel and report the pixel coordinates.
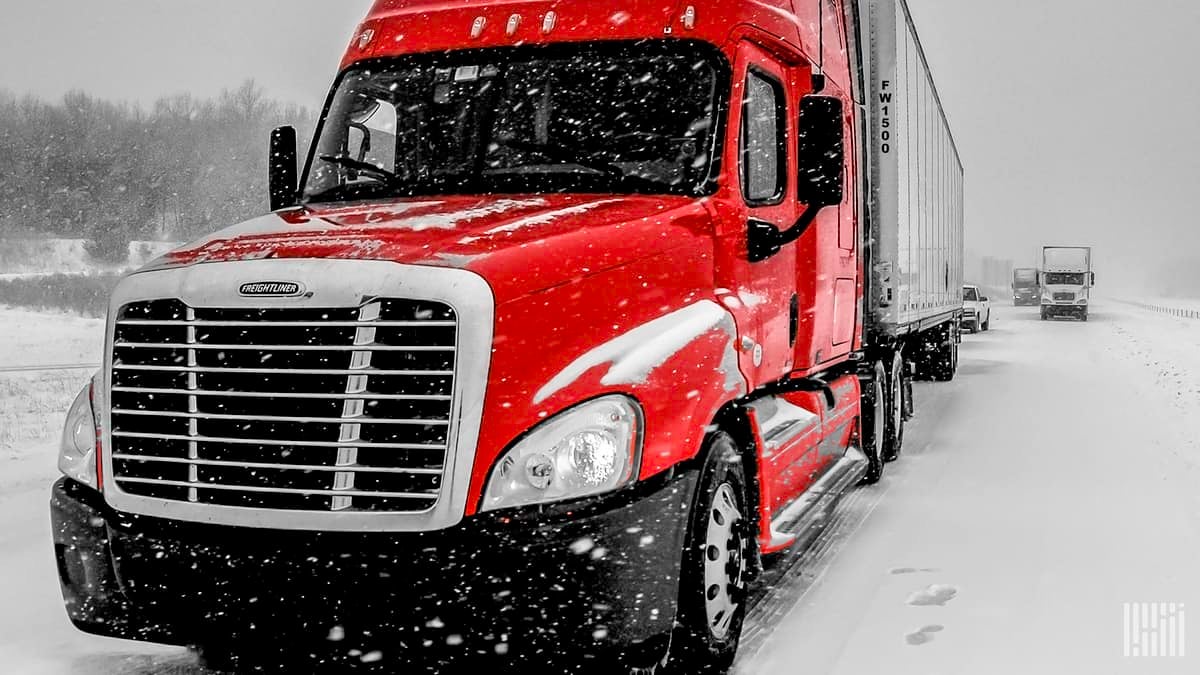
(1084, 316)
(987, 325)
(1045, 315)
(874, 424)
(897, 407)
(714, 579)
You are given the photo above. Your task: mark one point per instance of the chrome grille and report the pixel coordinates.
(344, 409)
(1064, 297)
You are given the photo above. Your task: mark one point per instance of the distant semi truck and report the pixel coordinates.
(1066, 280)
(1025, 288)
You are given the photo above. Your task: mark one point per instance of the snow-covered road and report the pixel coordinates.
(1053, 481)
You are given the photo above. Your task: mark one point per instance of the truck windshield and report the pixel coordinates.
(616, 118)
(1064, 279)
(970, 295)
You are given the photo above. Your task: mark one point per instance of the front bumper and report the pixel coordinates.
(599, 577)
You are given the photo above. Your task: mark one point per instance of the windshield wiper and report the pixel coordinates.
(585, 160)
(360, 166)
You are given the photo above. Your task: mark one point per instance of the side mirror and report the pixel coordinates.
(984, 298)
(1093, 279)
(822, 160)
(822, 153)
(283, 179)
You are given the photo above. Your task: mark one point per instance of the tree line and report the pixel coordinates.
(112, 172)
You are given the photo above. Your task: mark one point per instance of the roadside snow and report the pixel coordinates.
(1053, 481)
(33, 403)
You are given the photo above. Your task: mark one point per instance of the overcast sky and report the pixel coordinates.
(143, 49)
(1076, 118)
(1077, 121)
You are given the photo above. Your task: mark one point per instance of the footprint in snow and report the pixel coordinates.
(923, 636)
(934, 594)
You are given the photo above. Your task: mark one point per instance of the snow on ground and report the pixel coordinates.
(34, 402)
(35, 636)
(1054, 480)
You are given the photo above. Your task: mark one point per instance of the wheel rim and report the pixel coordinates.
(724, 562)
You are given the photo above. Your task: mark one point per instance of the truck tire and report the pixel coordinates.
(1084, 316)
(1045, 314)
(713, 584)
(897, 406)
(874, 423)
(987, 325)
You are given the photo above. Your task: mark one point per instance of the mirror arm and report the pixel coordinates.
(802, 223)
(765, 239)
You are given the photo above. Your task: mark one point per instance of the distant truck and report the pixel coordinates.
(1025, 288)
(1066, 280)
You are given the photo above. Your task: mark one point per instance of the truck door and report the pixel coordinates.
(764, 130)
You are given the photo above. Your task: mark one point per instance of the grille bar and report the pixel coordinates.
(282, 348)
(271, 442)
(278, 418)
(285, 467)
(287, 324)
(273, 490)
(282, 371)
(279, 394)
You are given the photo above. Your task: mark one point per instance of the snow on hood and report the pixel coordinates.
(633, 356)
(520, 243)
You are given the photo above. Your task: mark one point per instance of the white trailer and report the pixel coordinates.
(916, 196)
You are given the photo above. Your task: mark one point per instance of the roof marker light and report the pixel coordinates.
(478, 26)
(514, 22)
(689, 17)
(365, 38)
(549, 22)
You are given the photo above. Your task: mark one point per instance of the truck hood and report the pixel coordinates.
(520, 244)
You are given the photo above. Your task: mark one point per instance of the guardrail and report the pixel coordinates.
(35, 369)
(1165, 309)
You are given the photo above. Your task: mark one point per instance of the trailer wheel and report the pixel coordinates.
(714, 581)
(874, 424)
(897, 406)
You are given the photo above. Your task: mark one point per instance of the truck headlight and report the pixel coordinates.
(80, 444)
(587, 450)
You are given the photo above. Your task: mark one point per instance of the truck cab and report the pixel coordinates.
(1066, 282)
(556, 338)
(1025, 289)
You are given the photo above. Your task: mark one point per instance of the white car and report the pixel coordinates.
(977, 310)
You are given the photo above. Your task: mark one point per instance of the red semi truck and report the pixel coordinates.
(577, 315)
